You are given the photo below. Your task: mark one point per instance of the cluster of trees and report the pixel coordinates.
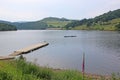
(75, 23)
(117, 27)
(31, 25)
(54, 19)
(97, 20)
(108, 16)
(7, 27)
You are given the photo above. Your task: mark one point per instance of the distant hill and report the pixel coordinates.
(37, 25)
(2, 21)
(106, 21)
(54, 22)
(54, 19)
(7, 27)
(49, 22)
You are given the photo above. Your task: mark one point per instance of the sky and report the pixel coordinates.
(33, 10)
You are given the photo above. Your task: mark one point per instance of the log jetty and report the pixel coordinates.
(29, 49)
(6, 57)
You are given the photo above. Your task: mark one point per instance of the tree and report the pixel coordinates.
(7, 27)
(118, 27)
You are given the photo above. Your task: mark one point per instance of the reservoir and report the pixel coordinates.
(101, 48)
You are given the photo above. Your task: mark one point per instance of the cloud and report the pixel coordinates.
(37, 9)
(103, 7)
(14, 15)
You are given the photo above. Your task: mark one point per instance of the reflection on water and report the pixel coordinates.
(100, 47)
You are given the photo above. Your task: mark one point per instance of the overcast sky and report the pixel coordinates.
(31, 10)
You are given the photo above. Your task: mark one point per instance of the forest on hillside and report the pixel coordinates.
(7, 27)
(107, 20)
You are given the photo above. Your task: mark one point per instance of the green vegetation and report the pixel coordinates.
(7, 27)
(54, 22)
(31, 25)
(111, 25)
(118, 26)
(50, 22)
(21, 70)
(107, 21)
(54, 19)
(57, 24)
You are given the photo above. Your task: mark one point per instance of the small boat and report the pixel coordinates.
(70, 36)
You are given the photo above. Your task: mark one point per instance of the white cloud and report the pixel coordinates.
(20, 15)
(37, 9)
(107, 6)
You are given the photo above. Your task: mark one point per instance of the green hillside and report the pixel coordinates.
(7, 22)
(50, 22)
(107, 21)
(31, 25)
(110, 25)
(7, 27)
(54, 22)
(54, 19)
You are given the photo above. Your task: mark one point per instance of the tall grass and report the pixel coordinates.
(21, 70)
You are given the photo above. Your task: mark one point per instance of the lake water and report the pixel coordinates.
(101, 48)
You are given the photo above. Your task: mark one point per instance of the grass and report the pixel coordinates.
(105, 26)
(82, 27)
(57, 24)
(22, 70)
(96, 27)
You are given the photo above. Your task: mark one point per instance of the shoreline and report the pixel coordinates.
(66, 72)
(88, 75)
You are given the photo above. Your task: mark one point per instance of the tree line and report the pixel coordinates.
(97, 20)
(7, 27)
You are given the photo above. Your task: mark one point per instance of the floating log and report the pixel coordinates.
(29, 49)
(70, 36)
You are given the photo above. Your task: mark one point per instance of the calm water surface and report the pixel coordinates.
(102, 49)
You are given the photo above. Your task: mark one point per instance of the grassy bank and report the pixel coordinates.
(22, 70)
